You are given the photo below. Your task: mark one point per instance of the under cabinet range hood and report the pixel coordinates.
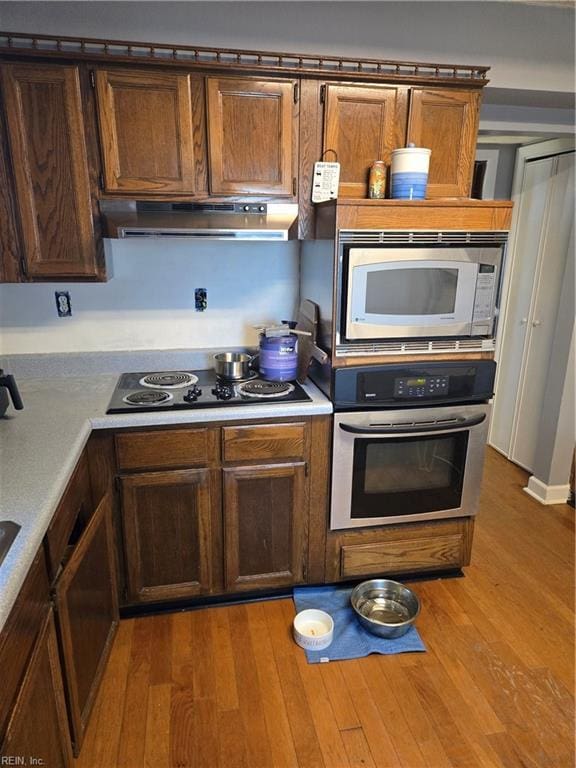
(251, 221)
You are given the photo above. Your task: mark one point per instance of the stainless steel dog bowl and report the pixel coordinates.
(384, 607)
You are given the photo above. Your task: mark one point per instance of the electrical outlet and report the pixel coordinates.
(200, 299)
(63, 303)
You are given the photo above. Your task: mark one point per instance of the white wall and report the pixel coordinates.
(528, 46)
(149, 302)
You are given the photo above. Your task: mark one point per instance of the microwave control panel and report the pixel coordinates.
(421, 386)
(484, 298)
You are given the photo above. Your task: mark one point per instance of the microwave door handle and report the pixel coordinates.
(396, 429)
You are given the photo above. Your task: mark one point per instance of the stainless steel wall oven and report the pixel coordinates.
(408, 442)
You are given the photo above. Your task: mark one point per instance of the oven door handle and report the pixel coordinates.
(395, 429)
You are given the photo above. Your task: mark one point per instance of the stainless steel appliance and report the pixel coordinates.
(179, 390)
(418, 285)
(250, 220)
(408, 441)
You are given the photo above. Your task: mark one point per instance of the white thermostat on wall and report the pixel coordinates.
(325, 181)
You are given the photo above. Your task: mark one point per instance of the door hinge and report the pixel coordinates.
(296, 93)
(306, 469)
(322, 94)
(294, 186)
(23, 267)
(305, 570)
(92, 79)
(117, 483)
(101, 180)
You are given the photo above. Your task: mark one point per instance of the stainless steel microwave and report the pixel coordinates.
(435, 287)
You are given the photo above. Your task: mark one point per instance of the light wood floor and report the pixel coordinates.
(227, 688)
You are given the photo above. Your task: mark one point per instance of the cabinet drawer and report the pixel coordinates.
(265, 441)
(408, 555)
(413, 548)
(76, 505)
(166, 448)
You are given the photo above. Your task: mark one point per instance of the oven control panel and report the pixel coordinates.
(421, 386)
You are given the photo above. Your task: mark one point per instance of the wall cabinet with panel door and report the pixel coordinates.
(363, 123)
(152, 132)
(54, 167)
(9, 235)
(252, 136)
(446, 121)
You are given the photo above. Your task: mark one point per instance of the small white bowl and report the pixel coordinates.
(313, 629)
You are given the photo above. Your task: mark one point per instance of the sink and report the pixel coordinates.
(8, 532)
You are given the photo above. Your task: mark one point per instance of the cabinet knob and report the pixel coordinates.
(536, 323)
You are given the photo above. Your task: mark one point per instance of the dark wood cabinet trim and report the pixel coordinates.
(245, 61)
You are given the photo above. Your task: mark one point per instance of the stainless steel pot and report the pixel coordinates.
(233, 366)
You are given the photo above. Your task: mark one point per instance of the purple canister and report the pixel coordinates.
(278, 357)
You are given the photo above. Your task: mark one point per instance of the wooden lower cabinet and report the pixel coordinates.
(441, 545)
(85, 597)
(37, 730)
(167, 525)
(265, 526)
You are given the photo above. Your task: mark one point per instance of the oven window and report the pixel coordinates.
(418, 291)
(408, 475)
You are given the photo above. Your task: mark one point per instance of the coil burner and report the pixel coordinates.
(143, 397)
(265, 389)
(170, 380)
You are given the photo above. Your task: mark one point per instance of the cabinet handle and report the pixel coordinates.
(536, 323)
(524, 321)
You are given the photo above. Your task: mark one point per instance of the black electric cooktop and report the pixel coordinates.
(179, 390)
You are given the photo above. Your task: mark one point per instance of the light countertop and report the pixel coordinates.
(40, 446)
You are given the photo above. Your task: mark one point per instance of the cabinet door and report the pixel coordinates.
(362, 124)
(38, 727)
(148, 126)
(51, 169)
(265, 514)
(446, 122)
(252, 135)
(87, 610)
(9, 239)
(167, 533)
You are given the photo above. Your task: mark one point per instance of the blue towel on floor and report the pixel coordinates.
(351, 640)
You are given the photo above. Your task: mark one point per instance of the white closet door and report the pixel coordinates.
(531, 215)
(541, 319)
(545, 219)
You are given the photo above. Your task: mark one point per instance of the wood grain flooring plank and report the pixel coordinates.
(375, 731)
(157, 744)
(258, 747)
(226, 690)
(277, 723)
(182, 727)
(306, 742)
(161, 669)
(231, 745)
(339, 696)
(357, 748)
(202, 656)
(325, 724)
(131, 747)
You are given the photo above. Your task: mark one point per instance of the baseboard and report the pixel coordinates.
(547, 494)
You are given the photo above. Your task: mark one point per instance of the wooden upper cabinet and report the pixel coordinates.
(151, 131)
(362, 124)
(446, 122)
(46, 132)
(251, 137)
(9, 239)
